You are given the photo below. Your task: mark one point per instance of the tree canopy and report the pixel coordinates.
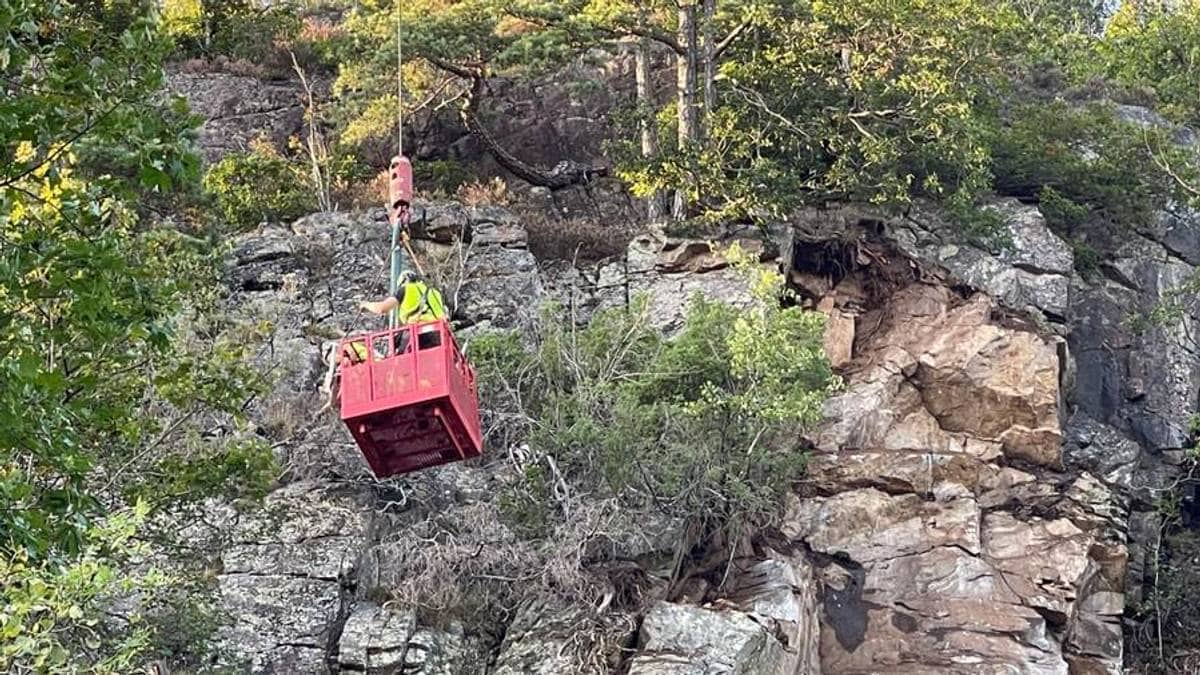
(797, 101)
(96, 381)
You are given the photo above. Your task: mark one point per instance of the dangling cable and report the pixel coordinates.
(399, 84)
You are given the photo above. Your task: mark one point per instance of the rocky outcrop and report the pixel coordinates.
(237, 109)
(953, 538)
(978, 498)
(689, 640)
(1029, 271)
(983, 489)
(303, 544)
(767, 625)
(669, 272)
(544, 639)
(381, 641)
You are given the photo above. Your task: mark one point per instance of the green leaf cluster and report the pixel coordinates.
(1083, 162)
(816, 102)
(104, 361)
(870, 101)
(1155, 47)
(53, 613)
(705, 426)
(257, 186)
(238, 29)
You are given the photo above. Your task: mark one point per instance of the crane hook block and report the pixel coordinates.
(400, 188)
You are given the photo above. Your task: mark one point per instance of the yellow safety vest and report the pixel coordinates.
(420, 303)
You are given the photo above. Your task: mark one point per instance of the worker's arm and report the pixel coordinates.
(380, 307)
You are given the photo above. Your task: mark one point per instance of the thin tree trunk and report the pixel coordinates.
(710, 61)
(656, 206)
(685, 84)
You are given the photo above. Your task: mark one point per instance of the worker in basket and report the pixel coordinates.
(416, 302)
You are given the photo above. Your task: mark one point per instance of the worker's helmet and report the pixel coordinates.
(407, 277)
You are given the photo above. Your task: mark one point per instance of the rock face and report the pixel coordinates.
(541, 640)
(766, 626)
(1030, 272)
(979, 497)
(237, 109)
(951, 539)
(668, 271)
(380, 641)
(983, 490)
(689, 640)
(303, 544)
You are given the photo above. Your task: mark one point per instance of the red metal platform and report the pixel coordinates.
(412, 403)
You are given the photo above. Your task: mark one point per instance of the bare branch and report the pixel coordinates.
(459, 70)
(729, 39)
(1163, 164)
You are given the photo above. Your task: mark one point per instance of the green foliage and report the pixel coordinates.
(259, 185)
(79, 308)
(95, 382)
(525, 505)
(239, 29)
(983, 225)
(53, 615)
(479, 34)
(704, 427)
(186, 619)
(443, 176)
(895, 101)
(931, 99)
(1087, 258)
(1157, 47)
(1069, 219)
(184, 22)
(1083, 161)
(1062, 214)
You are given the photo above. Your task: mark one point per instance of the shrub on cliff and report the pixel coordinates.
(238, 29)
(257, 186)
(1084, 164)
(1156, 47)
(704, 428)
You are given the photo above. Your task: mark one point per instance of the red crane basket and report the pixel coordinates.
(412, 402)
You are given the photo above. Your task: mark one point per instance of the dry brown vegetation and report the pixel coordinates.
(223, 64)
(491, 192)
(464, 564)
(584, 238)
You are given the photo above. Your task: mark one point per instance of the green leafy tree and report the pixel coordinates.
(874, 101)
(259, 185)
(1095, 169)
(1156, 46)
(95, 385)
(696, 34)
(106, 368)
(236, 28)
(454, 48)
(53, 618)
